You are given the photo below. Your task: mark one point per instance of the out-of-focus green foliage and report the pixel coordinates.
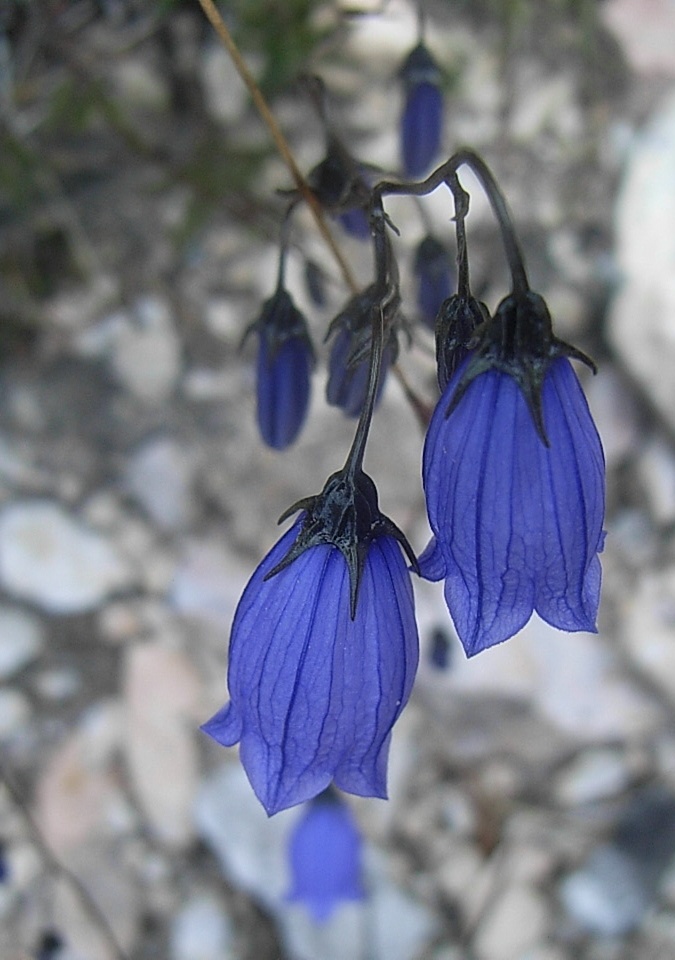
(284, 33)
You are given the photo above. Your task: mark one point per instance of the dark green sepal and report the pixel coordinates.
(357, 316)
(458, 329)
(345, 515)
(519, 341)
(279, 321)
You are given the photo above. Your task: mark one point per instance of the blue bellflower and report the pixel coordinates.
(422, 119)
(514, 480)
(339, 184)
(432, 268)
(325, 857)
(349, 357)
(285, 360)
(323, 651)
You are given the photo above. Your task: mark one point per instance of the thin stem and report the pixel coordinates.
(421, 21)
(356, 453)
(501, 211)
(90, 906)
(284, 239)
(461, 198)
(278, 137)
(445, 174)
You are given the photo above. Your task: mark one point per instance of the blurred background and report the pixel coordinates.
(532, 789)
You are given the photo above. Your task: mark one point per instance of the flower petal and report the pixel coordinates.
(283, 391)
(431, 562)
(573, 506)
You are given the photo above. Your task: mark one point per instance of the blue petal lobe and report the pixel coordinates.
(573, 506)
(431, 562)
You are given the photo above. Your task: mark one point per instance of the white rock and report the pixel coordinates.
(572, 678)
(208, 582)
(642, 328)
(224, 318)
(515, 923)
(595, 775)
(21, 640)
(58, 684)
(252, 856)
(14, 713)
(645, 32)
(656, 468)
(201, 930)
(648, 625)
(650, 357)
(606, 896)
(109, 881)
(51, 559)
(159, 475)
(147, 352)
(581, 689)
(161, 694)
(614, 412)
(224, 91)
(78, 789)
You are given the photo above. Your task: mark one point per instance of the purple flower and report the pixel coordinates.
(348, 382)
(341, 186)
(285, 360)
(350, 354)
(355, 223)
(325, 857)
(433, 270)
(422, 119)
(514, 480)
(323, 651)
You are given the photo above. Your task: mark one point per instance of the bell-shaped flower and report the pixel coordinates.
(285, 360)
(432, 268)
(514, 481)
(422, 119)
(325, 857)
(340, 185)
(349, 357)
(323, 651)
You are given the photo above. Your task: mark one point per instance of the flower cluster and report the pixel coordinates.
(324, 644)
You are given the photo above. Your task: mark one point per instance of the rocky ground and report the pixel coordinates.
(532, 810)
